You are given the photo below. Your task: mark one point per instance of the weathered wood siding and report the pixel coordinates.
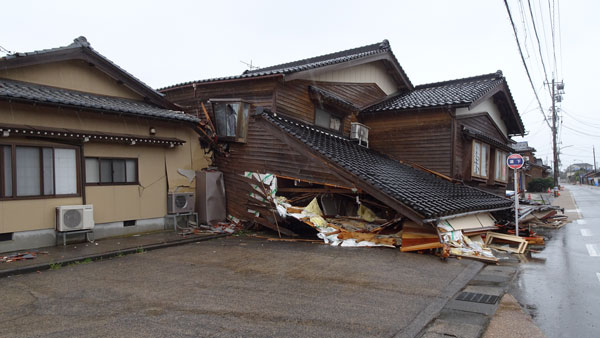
(256, 92)
(483, 124)
(422, 137)
(266, 151)
(293, 100)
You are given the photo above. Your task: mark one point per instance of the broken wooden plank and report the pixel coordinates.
(421, 246)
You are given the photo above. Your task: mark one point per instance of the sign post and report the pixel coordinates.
(515, 162)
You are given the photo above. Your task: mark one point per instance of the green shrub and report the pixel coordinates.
(540, 184)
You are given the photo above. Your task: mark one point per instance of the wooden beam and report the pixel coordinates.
(316, 190)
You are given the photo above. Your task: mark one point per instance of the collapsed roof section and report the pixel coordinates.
(421, 196)
(466, 92)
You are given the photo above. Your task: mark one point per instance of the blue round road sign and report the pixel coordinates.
(514, 161)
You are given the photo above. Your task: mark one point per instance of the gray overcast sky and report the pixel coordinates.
(169, 42)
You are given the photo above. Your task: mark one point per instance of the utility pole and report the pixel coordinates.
(594, 151)
(554, 136)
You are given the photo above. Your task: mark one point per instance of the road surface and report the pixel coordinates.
(560, 286)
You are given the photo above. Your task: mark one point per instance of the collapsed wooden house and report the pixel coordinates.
(299, 122)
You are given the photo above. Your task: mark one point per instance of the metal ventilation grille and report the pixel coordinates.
(477, 298)
(72, 218)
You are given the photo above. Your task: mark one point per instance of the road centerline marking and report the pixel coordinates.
(581, 221)
(591, 248)
(586, 232)
(598, 275)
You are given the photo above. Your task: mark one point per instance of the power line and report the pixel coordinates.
(581, 132)
(4, 50)
(524, 63)
(538, 41)
(587, 123)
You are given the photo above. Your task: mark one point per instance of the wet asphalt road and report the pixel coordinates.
(560, 286)
(234, 287)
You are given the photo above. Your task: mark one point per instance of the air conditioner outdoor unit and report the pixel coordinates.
(180, 202)
(74, 217)
(360, 132)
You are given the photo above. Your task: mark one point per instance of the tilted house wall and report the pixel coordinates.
(286, 135)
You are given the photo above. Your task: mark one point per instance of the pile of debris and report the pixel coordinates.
(343, 220)
(19, 256)
(546, 216)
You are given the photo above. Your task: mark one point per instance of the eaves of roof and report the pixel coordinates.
(328, 97)
(11, 90)
(487, 139)
(310, 64)
(465, 92)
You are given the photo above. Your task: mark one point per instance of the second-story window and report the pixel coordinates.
(325, 119)
(231, 119)
(501, 169)
(481, 152)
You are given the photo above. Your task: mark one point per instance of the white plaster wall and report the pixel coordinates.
(373, 72)
(487, 106)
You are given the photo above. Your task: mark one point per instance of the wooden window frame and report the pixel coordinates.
(137, 171)
(40, 148)
(487, 159)
(502, 162)
(241, 129)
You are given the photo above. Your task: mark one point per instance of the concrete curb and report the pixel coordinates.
(105, 255)
(428, 315)
(470, 320)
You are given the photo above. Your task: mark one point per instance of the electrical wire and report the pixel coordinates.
(4, 50)
(539, 45)
(524, 63)
(587, 123)
(581, 132)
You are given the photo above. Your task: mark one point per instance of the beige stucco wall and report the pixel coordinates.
(487, 106)
(73, 74)
(157, 166)
(373, 72)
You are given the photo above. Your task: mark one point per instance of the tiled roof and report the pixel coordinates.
(81, 43)
(311, 63)
(422, 192)
(29, 92)
(460, 92)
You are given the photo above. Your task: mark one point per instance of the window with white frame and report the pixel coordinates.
(480, 160)
(111, 171)
(501, 172)
(33, 171)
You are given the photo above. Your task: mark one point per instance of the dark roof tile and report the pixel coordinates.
(311, 63)
(423, 192)
(24, 91)
(449, 93)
